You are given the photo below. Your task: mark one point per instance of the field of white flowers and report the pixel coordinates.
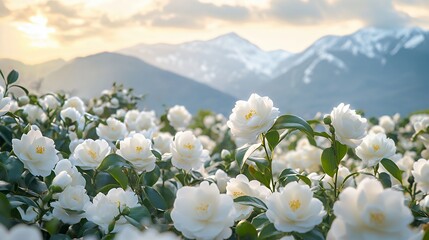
(102, 169)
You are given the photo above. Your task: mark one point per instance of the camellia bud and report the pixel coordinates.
(225, 154)
(327, 120)
(62, 180)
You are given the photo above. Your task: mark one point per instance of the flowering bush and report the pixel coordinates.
(102, 169)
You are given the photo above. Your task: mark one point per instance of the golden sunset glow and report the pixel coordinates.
(33, 31)
(37, 31)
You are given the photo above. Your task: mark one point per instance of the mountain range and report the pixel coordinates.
(381, 71)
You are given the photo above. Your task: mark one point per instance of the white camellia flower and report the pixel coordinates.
(19, 232)
(294, 209)
(421, 174)
(146, 121)
(371, 212)
(130, 120)
(203, 213)
(64, 165)
(104, 208)
(36, 152)
(374, 148)
(5, 103)
(252, 117)
(350, 128)
(240, 186)
(101, 211)
(162, 142)
(89, 154)
(137, 150)
(70, 205)
(29, 215)
(73, 115)
(132, 233)
(304, 157)
(76, 103)
(422, 125)
(387, 123)
(179, 117)
(113, 131)
(187, 151)
(34, 113)
(49, 102)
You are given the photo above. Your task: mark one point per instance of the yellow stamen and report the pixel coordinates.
(250, 114)
(139, 149)
(188, 146)
(377, 217)
(203, 207)
(376, 147)
(92, 154)
(237, 194)
(294, 205)
(40, 150)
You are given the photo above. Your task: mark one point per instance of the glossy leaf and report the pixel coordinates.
(329, 162)
(244, 153)
(246, 230)
(392, 168)
(251, 201)
(12, 77)
(155, 199)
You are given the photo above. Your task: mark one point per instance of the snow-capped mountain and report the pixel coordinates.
(372, 43)
(228, 62)
(378, 70)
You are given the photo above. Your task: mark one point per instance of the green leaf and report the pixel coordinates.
(155, 199)
(314, 234)
(12, 77)
(251, 201)
(329, 162)
(289, 175)
(392, 168)
(260, 221)
(5, 206)
(17, 200)
(246, 230)
(341, 151)
(60, 237)
(1, 74)
(113, 160)
(273, 138)
(119, 176)
(152, 177)
(139, 213)
(244, 153)
(268, 231)
(385, 180)
(157, 154)
(293, 122)
(258, 175)
(14, 169)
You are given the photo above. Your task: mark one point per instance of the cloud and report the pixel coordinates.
(379, 13)
(3, 10)
(192, 14)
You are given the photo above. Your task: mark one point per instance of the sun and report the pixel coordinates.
(38, 31)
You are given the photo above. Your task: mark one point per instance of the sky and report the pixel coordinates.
(33, 31)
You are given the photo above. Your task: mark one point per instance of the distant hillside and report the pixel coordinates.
(31, 75)
(88, 76)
